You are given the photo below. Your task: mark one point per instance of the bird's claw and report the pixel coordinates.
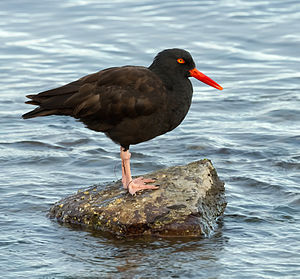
(139, 184)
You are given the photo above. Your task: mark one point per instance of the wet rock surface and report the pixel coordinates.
(188, 203)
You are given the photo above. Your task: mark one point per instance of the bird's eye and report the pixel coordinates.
(180, 61)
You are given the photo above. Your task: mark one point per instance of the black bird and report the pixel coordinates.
(130, 104)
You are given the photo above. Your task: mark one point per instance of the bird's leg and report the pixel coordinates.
(126, 174)
(133, 185)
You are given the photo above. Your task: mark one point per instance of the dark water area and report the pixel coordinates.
(250, 131)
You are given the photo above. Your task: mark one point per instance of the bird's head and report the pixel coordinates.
(179, 62)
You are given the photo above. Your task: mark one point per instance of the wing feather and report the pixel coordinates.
(103, 99)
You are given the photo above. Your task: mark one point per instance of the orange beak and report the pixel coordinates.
(202, 77)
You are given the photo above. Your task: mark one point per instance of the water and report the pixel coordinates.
(250, 131)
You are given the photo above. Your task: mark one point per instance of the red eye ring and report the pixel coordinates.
(180, 61)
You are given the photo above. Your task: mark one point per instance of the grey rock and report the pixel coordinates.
(189, 202)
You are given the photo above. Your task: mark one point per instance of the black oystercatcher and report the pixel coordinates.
(130, 104)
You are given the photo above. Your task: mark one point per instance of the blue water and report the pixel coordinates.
(250, 131)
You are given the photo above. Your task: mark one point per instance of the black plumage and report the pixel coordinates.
(130, 104)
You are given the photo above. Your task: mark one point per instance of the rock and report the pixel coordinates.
(188, 203)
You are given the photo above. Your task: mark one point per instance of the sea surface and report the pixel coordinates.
(250, 131)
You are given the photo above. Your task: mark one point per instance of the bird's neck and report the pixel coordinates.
(179, 95)
(171, 81)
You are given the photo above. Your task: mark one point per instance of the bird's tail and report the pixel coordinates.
(37, 112)
(52, 102)
(44, 109)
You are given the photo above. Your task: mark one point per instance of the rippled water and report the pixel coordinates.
(250, 131)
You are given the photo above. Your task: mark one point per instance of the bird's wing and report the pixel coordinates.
(105, 98)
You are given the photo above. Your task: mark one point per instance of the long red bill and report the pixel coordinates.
(202, 77)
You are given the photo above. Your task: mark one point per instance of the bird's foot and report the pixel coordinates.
(139, 184)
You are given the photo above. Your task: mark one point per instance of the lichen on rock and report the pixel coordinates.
(188, 202)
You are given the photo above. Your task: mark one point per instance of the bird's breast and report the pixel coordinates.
(178, 104)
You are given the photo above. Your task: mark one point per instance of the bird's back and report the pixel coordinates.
(109, 101)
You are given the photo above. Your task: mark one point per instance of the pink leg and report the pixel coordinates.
(124, 157)
(136, 184)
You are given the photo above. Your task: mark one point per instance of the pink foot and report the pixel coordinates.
(139, 184)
